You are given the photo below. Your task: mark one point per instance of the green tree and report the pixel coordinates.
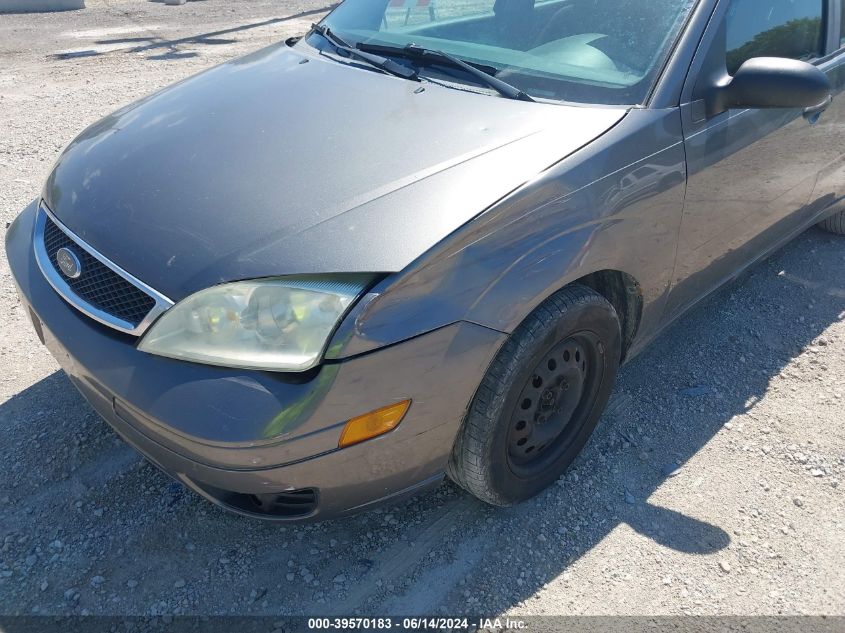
(797, 39)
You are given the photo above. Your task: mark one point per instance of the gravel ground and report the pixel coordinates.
(713, 485)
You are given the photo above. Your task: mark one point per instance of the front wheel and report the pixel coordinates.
(540, 400)
(834, 224)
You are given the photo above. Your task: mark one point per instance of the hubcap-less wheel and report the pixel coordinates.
(554, 404)
(540, 398)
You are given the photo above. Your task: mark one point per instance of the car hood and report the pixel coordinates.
(287, 162)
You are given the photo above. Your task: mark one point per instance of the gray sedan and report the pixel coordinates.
(420, 240)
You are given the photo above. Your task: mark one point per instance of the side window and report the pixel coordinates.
(774, 28)
(842, 25)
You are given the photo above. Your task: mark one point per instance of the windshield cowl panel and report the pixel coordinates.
(606, 52)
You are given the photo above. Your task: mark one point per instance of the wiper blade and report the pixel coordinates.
(412, 51)
(382, 63)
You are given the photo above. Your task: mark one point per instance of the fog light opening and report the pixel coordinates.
(374, 424)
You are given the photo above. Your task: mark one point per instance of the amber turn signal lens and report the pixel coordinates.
(366, 427)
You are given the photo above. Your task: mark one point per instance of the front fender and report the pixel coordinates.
(558, 228)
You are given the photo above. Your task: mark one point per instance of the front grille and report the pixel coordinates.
(98, 285)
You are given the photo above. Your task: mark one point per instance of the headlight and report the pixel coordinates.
(281, 324)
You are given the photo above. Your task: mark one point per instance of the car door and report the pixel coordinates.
(751, 173)
(830, 131)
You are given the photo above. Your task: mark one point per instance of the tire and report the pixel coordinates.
(540, 399)
(834, 224)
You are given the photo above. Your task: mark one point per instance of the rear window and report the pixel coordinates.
(774, 28)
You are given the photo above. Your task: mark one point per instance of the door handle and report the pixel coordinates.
(814, 113)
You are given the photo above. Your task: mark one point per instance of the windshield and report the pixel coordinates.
(589, 51)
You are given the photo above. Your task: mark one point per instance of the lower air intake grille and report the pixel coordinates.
(278, 506)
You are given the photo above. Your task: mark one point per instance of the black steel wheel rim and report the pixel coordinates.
(554, 404)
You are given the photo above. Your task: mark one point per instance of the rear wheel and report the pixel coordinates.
(540, 400)
(834, 224)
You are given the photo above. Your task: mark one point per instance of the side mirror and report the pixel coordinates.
(771, 82)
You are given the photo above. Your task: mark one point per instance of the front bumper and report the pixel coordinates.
(240, 437)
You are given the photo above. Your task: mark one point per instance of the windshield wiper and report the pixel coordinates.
(382, 63)
(414, 52)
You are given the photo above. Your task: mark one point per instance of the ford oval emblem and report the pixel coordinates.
(69, 263)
